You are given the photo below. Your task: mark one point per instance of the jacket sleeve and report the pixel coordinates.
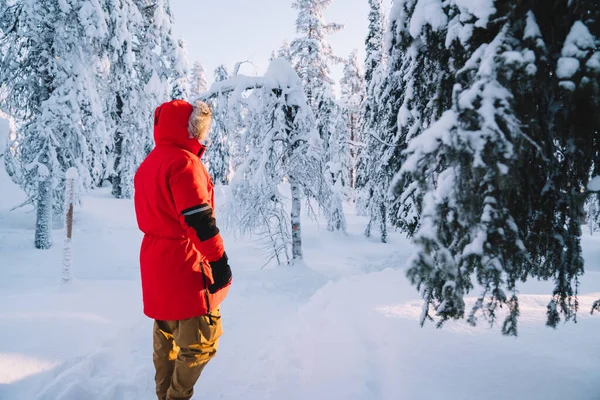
(189, 187)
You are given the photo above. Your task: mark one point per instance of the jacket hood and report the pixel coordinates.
(171, 126)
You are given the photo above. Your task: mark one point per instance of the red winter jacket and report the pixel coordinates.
(174, 257)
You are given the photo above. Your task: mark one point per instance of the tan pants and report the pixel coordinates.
(181, 351)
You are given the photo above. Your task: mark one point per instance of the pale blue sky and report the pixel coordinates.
(227, 31)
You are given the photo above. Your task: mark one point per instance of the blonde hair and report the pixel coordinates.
(199, 123)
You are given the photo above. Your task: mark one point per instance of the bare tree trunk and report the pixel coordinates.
(296, 210)
(370, 212)
(116, 179)
(383, 221)
(43, 222)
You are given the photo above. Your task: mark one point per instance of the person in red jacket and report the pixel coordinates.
(184, 269)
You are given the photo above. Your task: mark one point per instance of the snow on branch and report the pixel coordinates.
(280, 75)
(236, 84)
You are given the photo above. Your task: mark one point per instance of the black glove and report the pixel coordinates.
(221, 274)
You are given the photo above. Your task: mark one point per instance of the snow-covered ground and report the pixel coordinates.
(344, 326)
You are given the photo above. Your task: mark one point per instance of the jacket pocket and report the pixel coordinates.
(210, 328)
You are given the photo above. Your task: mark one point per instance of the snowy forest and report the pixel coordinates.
(471, 126)
(450, 176)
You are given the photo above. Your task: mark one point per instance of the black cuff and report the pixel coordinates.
(220, 263)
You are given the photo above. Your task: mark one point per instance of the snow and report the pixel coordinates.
(567, 67)
(594, 62)
(4, 129)
(428, 142)
(532, 29)
(64, 6)
(343, 326)
(72, 173)
(236, 84)
(578, 42)
(568, 85)
(281, 75)
(92, 19)
(427, 12)
(43, 171)
(458, 30)
(594, 184)
(481, 9)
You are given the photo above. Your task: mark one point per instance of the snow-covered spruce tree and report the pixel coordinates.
(415, 90)
(124, 95)
(198, 83)
(148, 67)
(576, 117)
(312, 54)
(338, 168)
(160, 63)
(340, 164)
(374, 66)
(500, 173)
(218, 155)
(170, 54)
(285, 51)
(353, 93)
(50, 69)
(180, 71)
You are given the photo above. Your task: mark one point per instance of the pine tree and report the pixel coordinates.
(180, 72)
(198, 83)
(374, 41)
(221, 73)
(219, 151)
(51, 70)
(125, 95)
(497, 177)
(352, 99)
(285, 51)
(338, 168)
(148, 67)
(161, 64)
(374, 68)
(312, 54)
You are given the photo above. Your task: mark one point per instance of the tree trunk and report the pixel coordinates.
(116, 180)
(296, 210)
(383, 221)
(43, 223)
(353, 151)
(370, 214)
(117, 189)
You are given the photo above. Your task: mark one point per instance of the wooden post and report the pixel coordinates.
(72, 176)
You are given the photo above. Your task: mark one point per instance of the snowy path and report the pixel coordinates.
(345, 328)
